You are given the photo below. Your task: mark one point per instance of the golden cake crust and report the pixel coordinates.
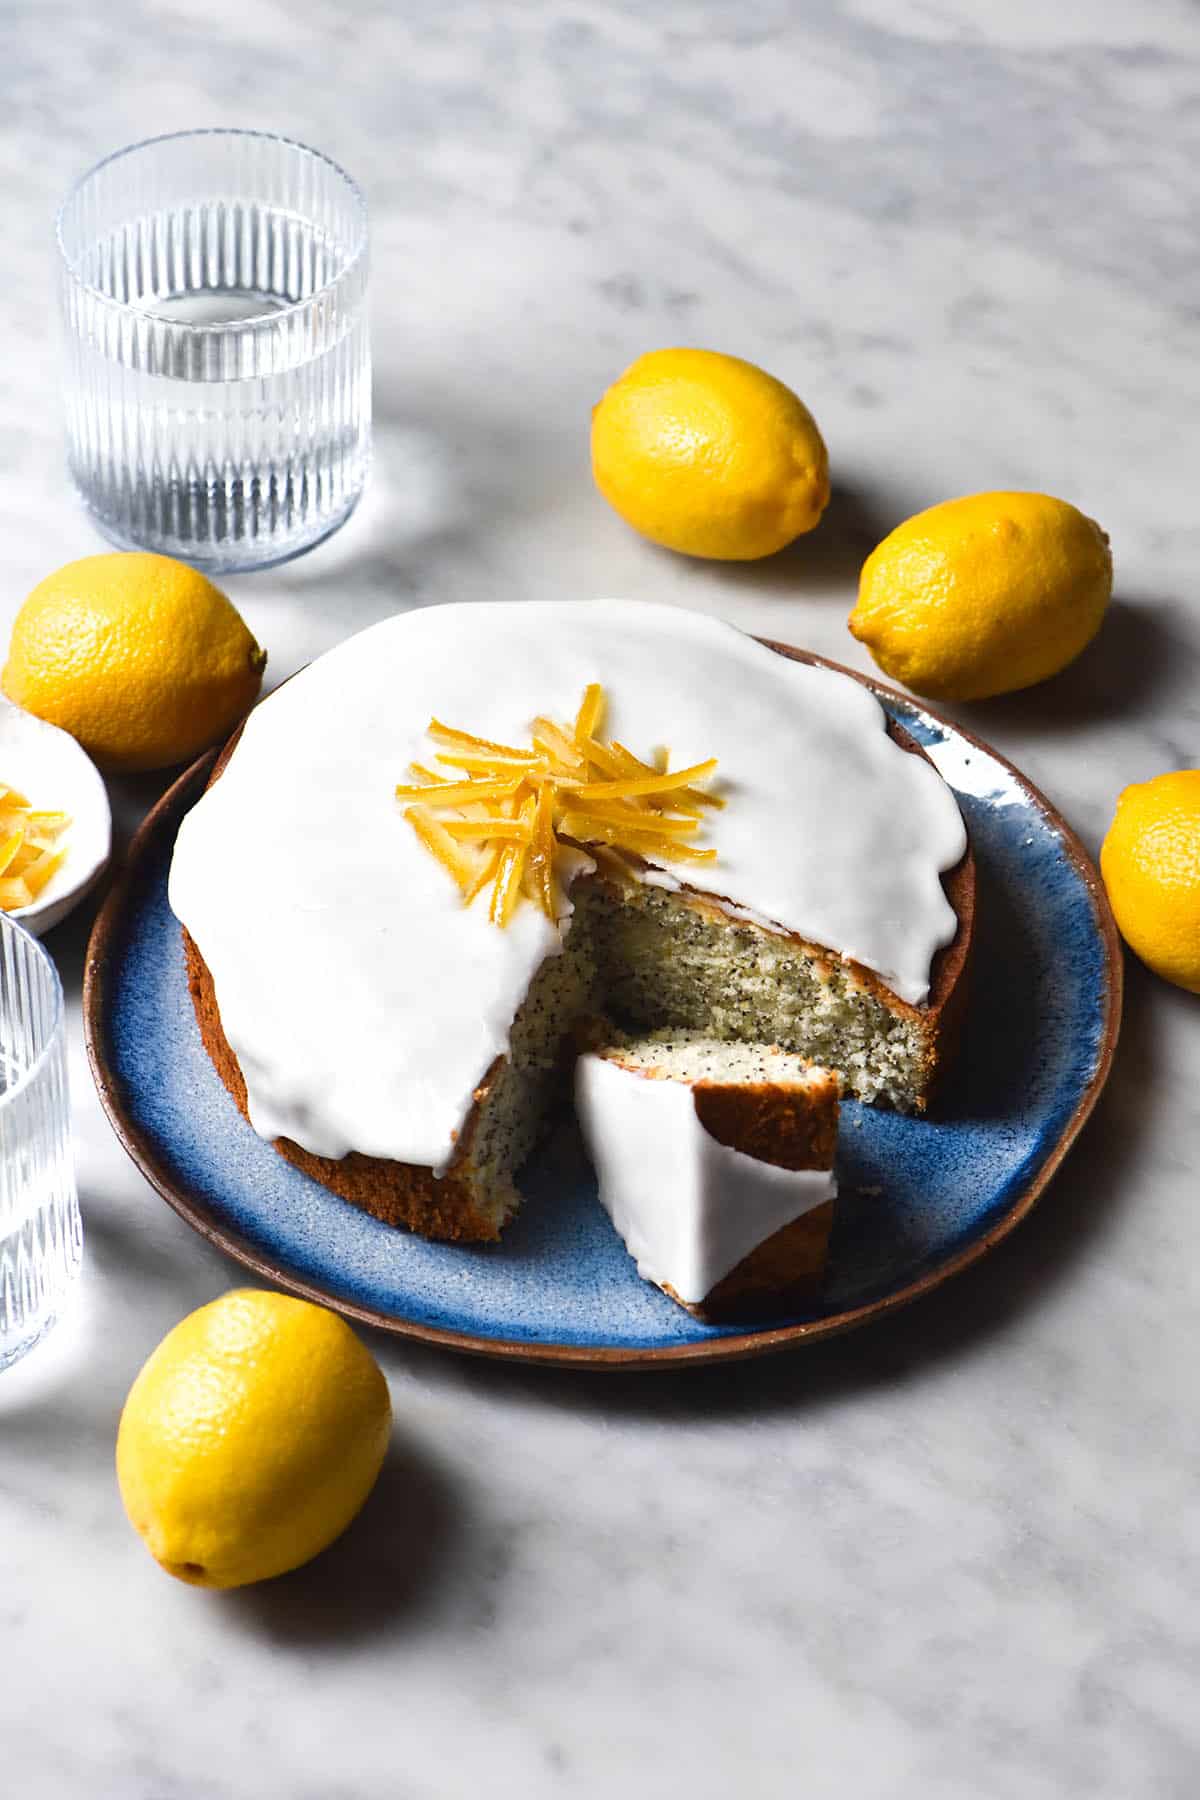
(398, 1193)
(781, 1273)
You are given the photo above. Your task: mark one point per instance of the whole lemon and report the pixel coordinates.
(709, 455)
(1150, 861)
(139, 657)
(983, 595)
(251, 1438)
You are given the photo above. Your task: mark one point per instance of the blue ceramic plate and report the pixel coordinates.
(919, 1198)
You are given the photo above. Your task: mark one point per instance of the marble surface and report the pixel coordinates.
(951, 1556)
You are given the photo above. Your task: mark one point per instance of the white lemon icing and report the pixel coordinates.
(687, 1208)
(365, 1003)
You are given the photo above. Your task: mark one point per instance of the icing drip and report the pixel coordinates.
(688, 1208)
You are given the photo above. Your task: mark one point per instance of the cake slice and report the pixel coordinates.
(715, 1163)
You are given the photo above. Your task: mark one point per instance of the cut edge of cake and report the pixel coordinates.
(777, 1111)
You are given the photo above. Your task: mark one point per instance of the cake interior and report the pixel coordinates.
(653, 960)
(675, 1053)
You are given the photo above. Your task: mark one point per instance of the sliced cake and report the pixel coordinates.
(714, 1161)
(425, 858)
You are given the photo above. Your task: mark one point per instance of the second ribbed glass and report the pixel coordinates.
(40, 1236)
(218, 377)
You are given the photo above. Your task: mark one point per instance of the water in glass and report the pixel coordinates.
(217, 362)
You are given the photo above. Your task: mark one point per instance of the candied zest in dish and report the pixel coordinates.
(30, 852)
(495, 815)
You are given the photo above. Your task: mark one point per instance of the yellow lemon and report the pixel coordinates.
(709, 455)
(983, 595)
(251, 1438)
(1150, 861)
(139, 657)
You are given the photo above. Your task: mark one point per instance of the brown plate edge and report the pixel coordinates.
(722, 1349)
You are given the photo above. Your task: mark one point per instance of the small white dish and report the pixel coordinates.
(56, 775)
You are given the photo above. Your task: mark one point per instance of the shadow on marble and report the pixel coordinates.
(830, 557)
(381, 1574)
(132, 796)
(67, 943)
(49, 1380)
(132, 1238)
(419, 494)
(440, 478)
(1133, 660)
(1078, 1212)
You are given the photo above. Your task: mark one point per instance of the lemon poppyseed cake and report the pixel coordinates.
(714, 1161)
(426, 857)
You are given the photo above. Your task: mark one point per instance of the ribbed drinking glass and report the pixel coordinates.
(40, 1235)
(218, 376)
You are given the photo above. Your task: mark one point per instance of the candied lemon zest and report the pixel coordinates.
(595, 752)
(501, 819)
(10, 846)
(435, 837)
(30, 851)
(488, 763)
(37, 873)
(633, 765)
(466, 740)
(506, 889)
(553, 741)
(591, 711)
(654, 783)
(645, 841)
(459, 793)
(510, 829)
(620, 812)
(541, 855)
(486, 872)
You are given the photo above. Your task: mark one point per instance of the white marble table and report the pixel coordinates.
(953, 1556)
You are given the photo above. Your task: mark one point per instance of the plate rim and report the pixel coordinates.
(735, 1348)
